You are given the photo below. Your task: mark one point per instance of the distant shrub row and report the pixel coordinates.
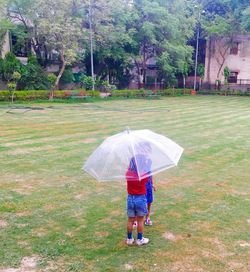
(65, 94)
(145, 93)
(225, 92)
(45, 94)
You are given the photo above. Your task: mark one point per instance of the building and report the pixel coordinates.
(232, 53)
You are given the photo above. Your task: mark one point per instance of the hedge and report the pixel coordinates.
(143, 93)
(44, 94)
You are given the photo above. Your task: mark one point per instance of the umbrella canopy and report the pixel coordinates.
(141, 151)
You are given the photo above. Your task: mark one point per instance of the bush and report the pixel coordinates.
(33, 76)
(67, 76)
(175, 92)
(128, 93)
(8, 66)
(86, 82)
(93, 93)
(31, 95)
(5, 96)
(44, 94)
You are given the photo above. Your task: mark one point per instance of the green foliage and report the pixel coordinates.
(201, 70)
(52, 79)
(86, 82)
(22, 45)
(246, 19)
(16, 76)
(30, 95)
(67, 76)
(128, 93)
(8, 66)
(33, 76)
(93, 93)
(4, 95)
(175, 92)
(226, 73)
(225, 18)
(11, 86)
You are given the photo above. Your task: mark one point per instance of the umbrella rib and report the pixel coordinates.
(134, 155)
(159, 145)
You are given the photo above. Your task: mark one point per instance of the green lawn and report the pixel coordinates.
(54, 217)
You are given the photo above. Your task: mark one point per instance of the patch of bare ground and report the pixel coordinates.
(26, 189)
(3, 224)
(102, 233)
(172, 237)
(28, 264)
(115, 199)
(236, 266)
(173, 181)
(23, 214)
(21, 225)
(49, 207)
(188, 264)
(23, 243)
(24, 151)
(116, 213)
(174, 214)
(203, 226)
(39, 232)
(244, 244)
(81, 195)
(248, 221)
(76, 230)
(239, 193)
(218, 247)
(89, 140)
(128, 267)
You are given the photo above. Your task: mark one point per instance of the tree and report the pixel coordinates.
(9, 65)
(13, 84)
(33, 76)
(160, 30)
(110, 39)
(61, 30)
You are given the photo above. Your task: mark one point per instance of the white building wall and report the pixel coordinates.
(236, 63)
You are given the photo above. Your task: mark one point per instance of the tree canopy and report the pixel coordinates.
(126, 33)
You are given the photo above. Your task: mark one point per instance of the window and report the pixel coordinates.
(234, 49)
(233, 77)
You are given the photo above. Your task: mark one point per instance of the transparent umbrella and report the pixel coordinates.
(142, 151)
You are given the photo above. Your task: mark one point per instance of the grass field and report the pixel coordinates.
(54, 217)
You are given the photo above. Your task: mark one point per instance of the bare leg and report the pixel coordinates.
(130, 224)
(149, 211)
(140, 224)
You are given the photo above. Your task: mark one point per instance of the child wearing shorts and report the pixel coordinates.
(150, 198)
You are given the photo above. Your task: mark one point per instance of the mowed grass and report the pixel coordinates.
(54, 217)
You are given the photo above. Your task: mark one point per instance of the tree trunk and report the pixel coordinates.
(59, 75)
(222, 55)
(209, 60)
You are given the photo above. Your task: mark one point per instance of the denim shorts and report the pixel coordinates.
(136, 205)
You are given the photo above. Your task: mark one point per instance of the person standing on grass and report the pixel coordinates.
(150, 198)
(136, 204)
(136, 188)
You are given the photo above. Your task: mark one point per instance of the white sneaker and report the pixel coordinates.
(142, 241)
(130, 241)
